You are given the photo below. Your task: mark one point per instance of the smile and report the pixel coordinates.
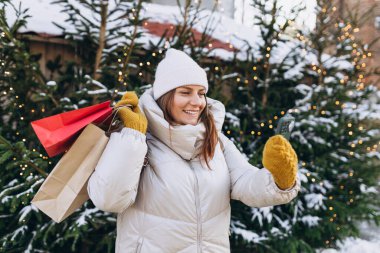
(191, 112)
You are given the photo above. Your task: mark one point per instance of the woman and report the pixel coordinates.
(179, 201)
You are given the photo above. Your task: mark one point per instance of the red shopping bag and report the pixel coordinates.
(56, 133)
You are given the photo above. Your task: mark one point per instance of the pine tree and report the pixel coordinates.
(335, 141)
(263, 92)
(23, 167)
(26, 96)
(109, 31)
(336, 135)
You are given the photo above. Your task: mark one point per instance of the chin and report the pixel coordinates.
(194, 123)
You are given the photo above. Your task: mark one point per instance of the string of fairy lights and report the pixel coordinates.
(9, 92)
(2, 62)
(360, 56)
(19, 105)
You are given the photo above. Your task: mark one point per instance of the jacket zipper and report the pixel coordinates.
(198, 209)
(139, 245)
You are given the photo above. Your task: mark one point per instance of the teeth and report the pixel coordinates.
(191, 112)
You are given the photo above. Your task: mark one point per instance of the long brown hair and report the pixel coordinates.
(211, 135)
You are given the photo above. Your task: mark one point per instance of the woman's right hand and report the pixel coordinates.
(132, 117)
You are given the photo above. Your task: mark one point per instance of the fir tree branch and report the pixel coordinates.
(4, 141)
(43, 173)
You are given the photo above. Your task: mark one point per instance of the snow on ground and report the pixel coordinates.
(369, 241)
(356, 245)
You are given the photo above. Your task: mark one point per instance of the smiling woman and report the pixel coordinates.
(188, 103)
(179, 201)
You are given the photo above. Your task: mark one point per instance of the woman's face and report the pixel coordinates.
(188, 104)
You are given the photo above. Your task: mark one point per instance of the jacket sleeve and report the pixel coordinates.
(113, 185)
(254, 187)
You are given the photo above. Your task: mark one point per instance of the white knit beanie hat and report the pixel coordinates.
(175, 70)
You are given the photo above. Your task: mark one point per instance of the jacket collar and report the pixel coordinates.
(185, 140)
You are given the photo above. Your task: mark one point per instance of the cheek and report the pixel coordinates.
(179, 103)
(203, 105)
(177, 106)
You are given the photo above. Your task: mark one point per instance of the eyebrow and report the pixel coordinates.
(184, 87)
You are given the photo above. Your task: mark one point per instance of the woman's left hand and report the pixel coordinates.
(132, 118)
(281, 160)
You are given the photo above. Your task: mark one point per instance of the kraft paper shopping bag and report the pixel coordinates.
(65, 188)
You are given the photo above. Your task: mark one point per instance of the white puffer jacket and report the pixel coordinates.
(175, 203)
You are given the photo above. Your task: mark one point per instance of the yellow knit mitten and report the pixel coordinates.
(132, 118)
(281, 160)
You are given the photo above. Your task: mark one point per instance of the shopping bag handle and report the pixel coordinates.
(114, 113)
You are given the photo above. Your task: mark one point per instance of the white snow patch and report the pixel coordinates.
(249, 235)
(310, 221)
(51, 83)
(314, 200)
(355, 245)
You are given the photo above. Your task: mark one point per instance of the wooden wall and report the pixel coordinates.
(49, 48)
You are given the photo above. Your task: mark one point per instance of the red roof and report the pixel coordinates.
(158, 29)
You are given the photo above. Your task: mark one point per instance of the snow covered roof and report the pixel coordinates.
(158, 28)
(227, 33)
(227, 37)
(42, 13)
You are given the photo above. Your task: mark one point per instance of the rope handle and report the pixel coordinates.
(114, 113)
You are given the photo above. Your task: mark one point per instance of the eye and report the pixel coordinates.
(202, 94)
(185, 92)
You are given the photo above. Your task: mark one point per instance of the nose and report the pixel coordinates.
(196, 100)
